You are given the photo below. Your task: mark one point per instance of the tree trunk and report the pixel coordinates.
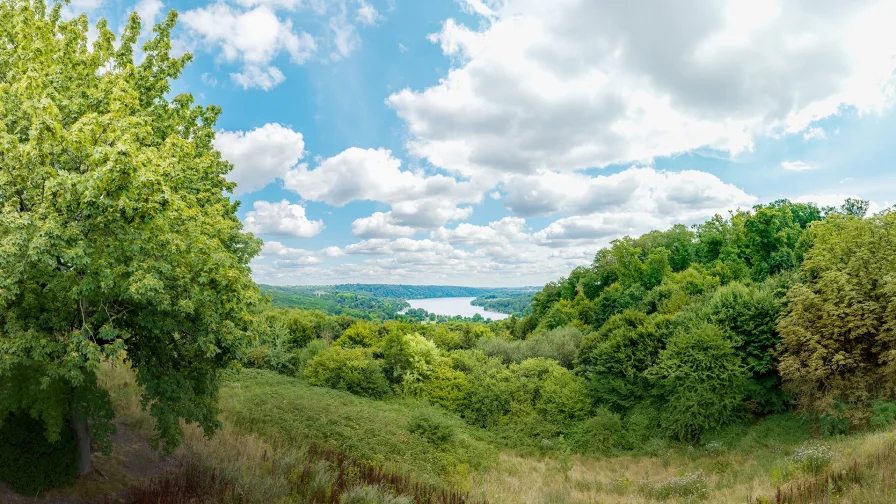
(82, 435)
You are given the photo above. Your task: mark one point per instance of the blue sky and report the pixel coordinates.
(502, 142)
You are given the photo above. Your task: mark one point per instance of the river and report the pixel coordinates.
(454, 306)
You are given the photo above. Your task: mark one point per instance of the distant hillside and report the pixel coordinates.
(384, 301)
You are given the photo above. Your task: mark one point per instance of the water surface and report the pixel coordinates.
(454, 306)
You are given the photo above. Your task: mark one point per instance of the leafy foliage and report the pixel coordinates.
(350, 369)
(701, 380)
(29, 462)
(116, 230)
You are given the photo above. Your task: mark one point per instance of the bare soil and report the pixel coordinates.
(132, 460)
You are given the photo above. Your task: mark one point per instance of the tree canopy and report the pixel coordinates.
(117, 235)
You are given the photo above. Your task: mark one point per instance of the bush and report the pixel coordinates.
(29, 462)
(350, 369)
(600, 434)
(562, 396)
(408, 360)
(304, 355)
(701, 380)
(431, 427)
(361, 334)
(561, 344)
(447, 387)
(883, 414)
(641, 424)
(507, 351)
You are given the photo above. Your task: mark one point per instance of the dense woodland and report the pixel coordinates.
(675, 334)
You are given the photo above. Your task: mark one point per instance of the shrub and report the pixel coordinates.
(616, 367)
(431, 427)
(561, 344)
(562, 396)
(304, 355)
(641, 423)
(29, 462)
(701, 380)
(408, 360)
(600, 434)
(507, 351)
(361, 334)
(883, 414)
(447, 387)
(694, 486)
(350, 369)
(813, 458)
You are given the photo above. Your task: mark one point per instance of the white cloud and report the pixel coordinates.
(814, 134)
(417, 200)
(796, 166)
(252, 38)
(380, 225)
(260, 156)
(281, 218)
(568, 85)
(367, 14)
(261, 78)
(676, 194)
(499, 232)
(148, 10)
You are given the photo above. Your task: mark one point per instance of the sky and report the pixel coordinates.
(503, 142)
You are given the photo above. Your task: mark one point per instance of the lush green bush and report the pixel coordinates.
(408, 360)
(506, 350)
(701, 382)
(304, 355)
(641, 423)
(447, 387)
(561, 344)
(601, 434)
(883, 414)
(29, 462)
(615, 367)
(350, 369)
(747, 317)
(431, 427)
(361, 334)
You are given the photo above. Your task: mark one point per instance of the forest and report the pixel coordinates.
(747, 358)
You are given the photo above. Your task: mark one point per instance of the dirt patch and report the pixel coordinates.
(132, 460)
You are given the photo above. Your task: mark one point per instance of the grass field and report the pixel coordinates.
(270, 420)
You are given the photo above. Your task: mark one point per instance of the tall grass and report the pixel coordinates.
(236, 466)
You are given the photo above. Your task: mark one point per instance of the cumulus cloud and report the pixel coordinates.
(636, 189)
(417, 200)
(260, 156)
(281, 218)
(499, 232)
(253, 38)
(380, 225)
(575, 84)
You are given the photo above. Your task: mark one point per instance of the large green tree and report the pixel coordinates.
(116, 232)
(839, 330)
